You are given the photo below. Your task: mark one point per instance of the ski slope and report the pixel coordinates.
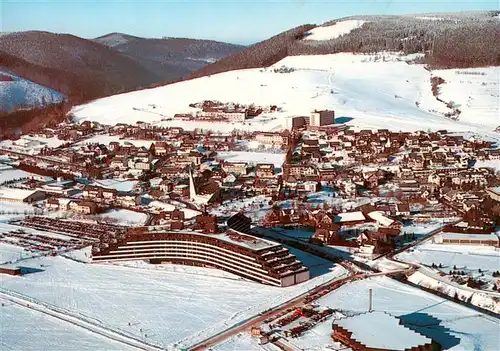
(333, 31)
(368, 91)
(23, 93)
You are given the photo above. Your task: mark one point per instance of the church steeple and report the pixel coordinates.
(192, 189)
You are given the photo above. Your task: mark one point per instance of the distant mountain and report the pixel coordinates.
(114, 39)
(448, 40)
(78, 68)
(82, 70)
(409, 72)
(169, 58)
(87, 69)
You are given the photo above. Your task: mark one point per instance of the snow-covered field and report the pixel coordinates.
(495, 164)
(125, 217)
(174, 309)
(253, 157)
(475, 330)
(464, 257)
(243, 342)
(24, 329)
(334, 31)
(23, 93)
(368, 91)
(475, 92)
(10, 253)
(13, 174)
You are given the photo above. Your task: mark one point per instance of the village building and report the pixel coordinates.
(20, 195)
(239, 253)
(58, 204)
(322, 118)
(264, 170)
(235, 167)
(271, 139)
(472, 239)
(83, 207)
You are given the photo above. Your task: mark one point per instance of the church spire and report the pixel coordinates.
(192, 189)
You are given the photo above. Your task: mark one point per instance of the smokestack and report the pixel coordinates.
(370, 300)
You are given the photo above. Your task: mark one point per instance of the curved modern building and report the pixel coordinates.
(236, 250)
(250, 257)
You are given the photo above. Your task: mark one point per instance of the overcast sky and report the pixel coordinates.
(235, 21)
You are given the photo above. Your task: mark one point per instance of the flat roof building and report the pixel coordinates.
(379, 331)
(20, 195)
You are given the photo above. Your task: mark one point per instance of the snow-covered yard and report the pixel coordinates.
(16, 208)
(106, 139)
(31, 144)
(125, 217)
(172, 308)
(422, 229)
(495, 164)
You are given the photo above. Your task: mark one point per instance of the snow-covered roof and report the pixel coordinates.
(462, 236)
(15, 194)
(188, 213)
(382, 331)
(380, 218)
(245, 240)
(117, 184)
(350, 217)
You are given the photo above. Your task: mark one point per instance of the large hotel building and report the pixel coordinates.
(235, 250)
(238, 253)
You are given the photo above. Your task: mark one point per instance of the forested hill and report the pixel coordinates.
(448, 40)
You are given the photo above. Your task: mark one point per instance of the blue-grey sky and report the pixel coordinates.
(236, 21)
